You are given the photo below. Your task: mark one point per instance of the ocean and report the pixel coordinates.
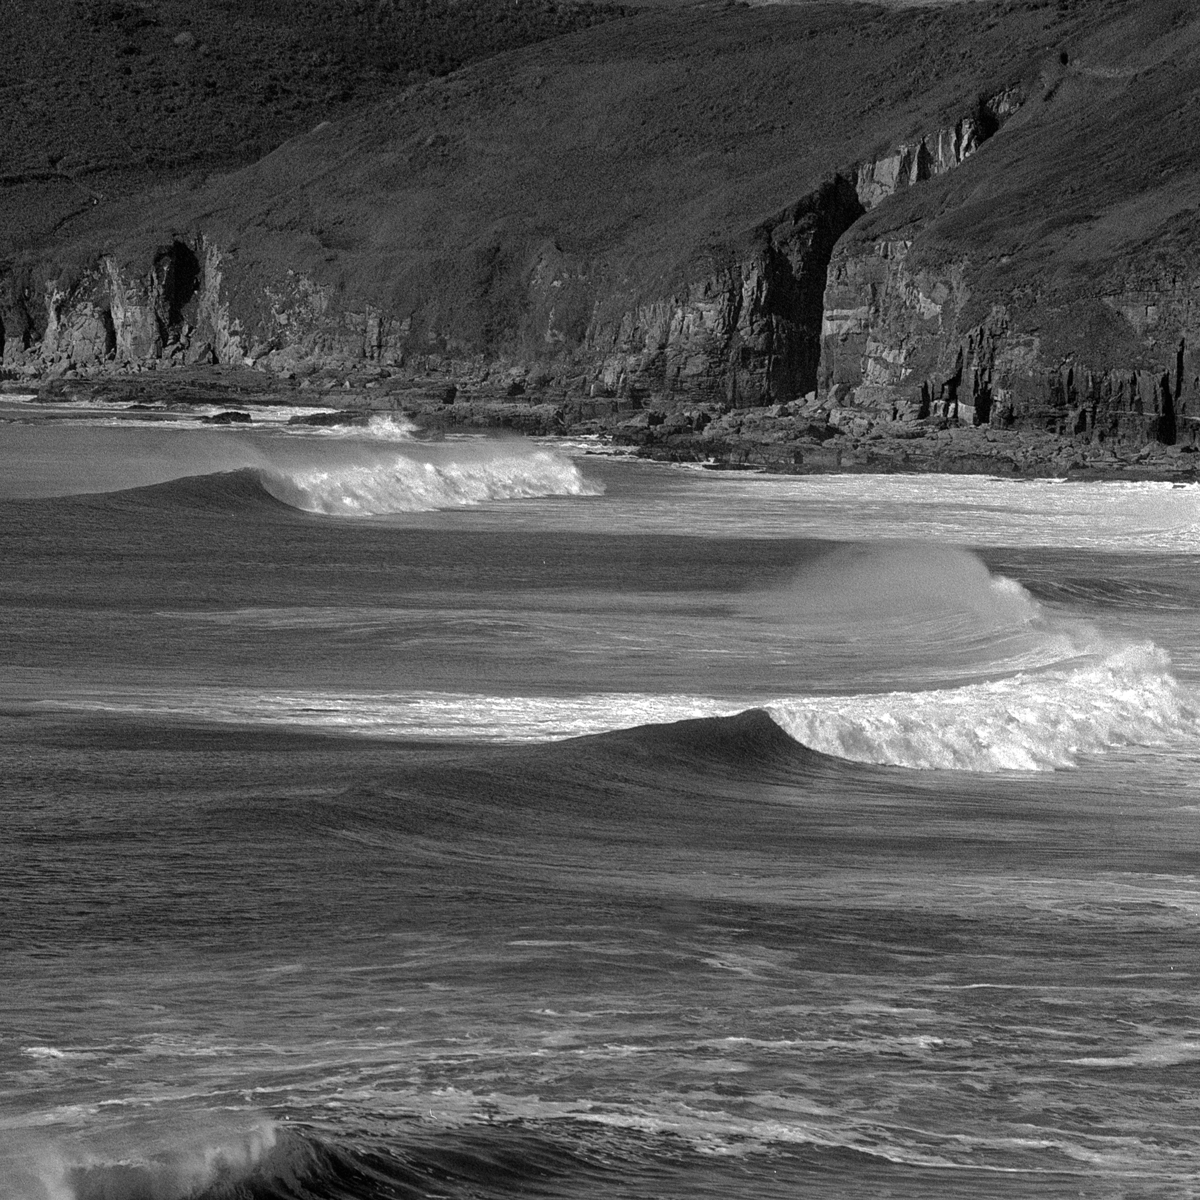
(392, 816)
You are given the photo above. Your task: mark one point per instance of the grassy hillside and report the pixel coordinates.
(102, 98)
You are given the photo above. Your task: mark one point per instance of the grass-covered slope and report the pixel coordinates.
(101, 98)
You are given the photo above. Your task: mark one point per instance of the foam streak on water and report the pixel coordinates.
(424, 715)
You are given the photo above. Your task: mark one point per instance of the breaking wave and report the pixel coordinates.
(1036, 689)
(352, 471)
(380, 426)
(470, 474)
(1032, 721)
(166, 1160)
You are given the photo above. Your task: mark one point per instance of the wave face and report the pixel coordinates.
(876, 613)
(548, 1150)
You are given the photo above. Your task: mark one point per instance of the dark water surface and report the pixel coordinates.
(481, 850)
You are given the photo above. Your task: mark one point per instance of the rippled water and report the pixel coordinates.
(567, 826)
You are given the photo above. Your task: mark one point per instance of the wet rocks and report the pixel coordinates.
(329, 420)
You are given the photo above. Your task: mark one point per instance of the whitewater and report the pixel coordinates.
(399, 815)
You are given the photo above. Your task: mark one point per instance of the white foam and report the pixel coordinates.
(380, 426)
(468, 476)
(961, 510)
(168, 1160)
(43, 1052)
(419, 714)
(1170, 1053)
(1032, 721)
(389, 427)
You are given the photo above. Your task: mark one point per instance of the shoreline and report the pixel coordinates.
(813, 437)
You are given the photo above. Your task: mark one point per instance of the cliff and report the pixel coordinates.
(1051, 284)
(879, 218)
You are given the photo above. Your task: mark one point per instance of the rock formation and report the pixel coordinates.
(837, 219)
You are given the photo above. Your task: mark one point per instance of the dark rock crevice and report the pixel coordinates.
(744, 335)
(1167, 430)
(802, 249)
(110, 333)
(177, 273)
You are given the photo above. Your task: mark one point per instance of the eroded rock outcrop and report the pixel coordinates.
(897, 340)
(741, 327)
(935, 153)
(169, 309)
(744, 335)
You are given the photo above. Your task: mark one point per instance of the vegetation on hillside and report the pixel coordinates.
(103, 97)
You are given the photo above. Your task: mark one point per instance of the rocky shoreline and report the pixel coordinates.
(815, 436)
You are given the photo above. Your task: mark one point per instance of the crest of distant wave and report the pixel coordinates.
(458, 476)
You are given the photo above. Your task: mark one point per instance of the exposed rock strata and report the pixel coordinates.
(896, 342)
(744, 332)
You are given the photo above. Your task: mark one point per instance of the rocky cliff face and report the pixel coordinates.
(934, 154)
(897, 340)
(743, 335)
(1051, 285)
(76, 319)
(741, 332)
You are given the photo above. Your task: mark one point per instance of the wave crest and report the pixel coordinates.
(411, 483)
(1033, 721)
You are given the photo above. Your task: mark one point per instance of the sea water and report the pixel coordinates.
(387, 816)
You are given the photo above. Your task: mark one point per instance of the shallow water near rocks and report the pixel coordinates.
(392, 818)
